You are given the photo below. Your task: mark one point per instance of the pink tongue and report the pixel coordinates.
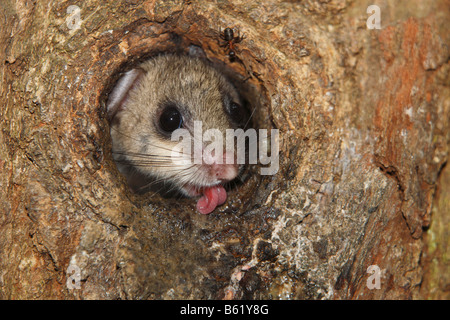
(212, 197)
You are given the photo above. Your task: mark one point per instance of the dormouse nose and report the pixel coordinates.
(225, 170)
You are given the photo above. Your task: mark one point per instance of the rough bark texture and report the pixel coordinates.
(364, 126)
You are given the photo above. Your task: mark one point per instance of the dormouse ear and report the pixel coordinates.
(117, 97)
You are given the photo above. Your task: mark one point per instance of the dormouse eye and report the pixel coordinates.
(237, 113)
(170, 119)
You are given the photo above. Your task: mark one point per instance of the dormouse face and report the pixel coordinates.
(168, 93)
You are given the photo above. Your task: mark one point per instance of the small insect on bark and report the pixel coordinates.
(230, 41)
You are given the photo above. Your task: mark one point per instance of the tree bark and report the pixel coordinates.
(363, 116)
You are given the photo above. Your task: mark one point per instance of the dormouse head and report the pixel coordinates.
(163, 95)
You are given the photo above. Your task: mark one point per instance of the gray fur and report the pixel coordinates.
(142, 153)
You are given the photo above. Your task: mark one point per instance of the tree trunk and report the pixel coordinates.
(363, 116)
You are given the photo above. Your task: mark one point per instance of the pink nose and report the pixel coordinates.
(224, 171)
